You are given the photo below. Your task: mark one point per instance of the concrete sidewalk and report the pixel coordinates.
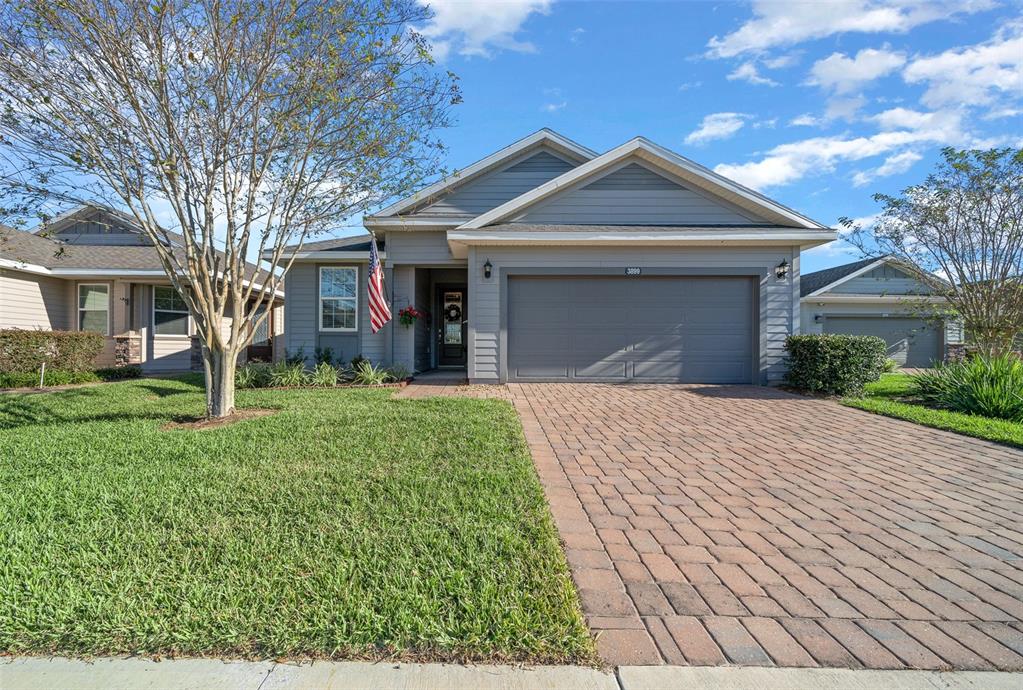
(36, 673)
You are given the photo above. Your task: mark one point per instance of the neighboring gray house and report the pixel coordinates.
(95, 270)
(882, 297)
(549, 262)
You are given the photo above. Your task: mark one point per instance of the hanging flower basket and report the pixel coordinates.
(407, 316)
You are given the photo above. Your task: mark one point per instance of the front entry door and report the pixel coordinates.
(452, 331)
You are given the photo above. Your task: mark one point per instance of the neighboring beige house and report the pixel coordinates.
(883, 297)
(95, 270)
(547, 261)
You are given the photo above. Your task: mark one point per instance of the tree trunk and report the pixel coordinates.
(219, 368)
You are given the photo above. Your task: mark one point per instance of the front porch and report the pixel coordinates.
(438, 342)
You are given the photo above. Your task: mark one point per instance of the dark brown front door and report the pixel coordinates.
(452, 330)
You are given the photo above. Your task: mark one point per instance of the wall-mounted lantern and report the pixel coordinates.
(782, 269)
(487, 269)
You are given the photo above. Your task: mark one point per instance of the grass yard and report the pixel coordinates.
(349, 524)
(892, 397)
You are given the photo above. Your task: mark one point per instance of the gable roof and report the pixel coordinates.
(36, 253)
(693, 173)
(544, 137)
(354, 247)
(818, 281)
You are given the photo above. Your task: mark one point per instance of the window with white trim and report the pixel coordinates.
(94, 307)
(170, 311)
(339, 298)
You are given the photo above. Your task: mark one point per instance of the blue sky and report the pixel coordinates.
(819, 105)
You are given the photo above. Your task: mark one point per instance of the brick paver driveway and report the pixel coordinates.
(709, 525)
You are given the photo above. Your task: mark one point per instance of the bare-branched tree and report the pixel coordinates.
(964, 223)
(241, 125)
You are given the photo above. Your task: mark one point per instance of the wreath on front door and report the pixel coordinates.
(453, 312)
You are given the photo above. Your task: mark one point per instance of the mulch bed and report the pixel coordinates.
(204, 423)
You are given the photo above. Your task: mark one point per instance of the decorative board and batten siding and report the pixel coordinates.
(883, 280)
(777, 304)
(634, 195)
(32, 301)
(493, 189)
(302, 319)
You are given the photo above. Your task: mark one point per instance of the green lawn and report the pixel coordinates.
(349, 524)
(892, 397)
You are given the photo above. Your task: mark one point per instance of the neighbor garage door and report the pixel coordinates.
(912, 342)
(604, 328)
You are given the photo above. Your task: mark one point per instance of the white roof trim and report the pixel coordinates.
(858, 272)
(873, 299)
(659, 156)
(543, 136)
(460, 240)
(334, 254)
(408, 222)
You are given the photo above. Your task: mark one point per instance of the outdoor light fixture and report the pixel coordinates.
(782, 269)
(487, 268)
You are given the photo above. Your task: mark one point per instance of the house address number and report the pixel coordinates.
(633, 271)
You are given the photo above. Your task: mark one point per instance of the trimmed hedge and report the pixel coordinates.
(68, 351)
(835, 364)
(57, 377)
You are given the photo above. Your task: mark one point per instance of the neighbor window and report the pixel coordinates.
(170, 312)
(338, 298)
(94, 308)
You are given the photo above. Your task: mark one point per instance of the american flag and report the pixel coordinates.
(379, 312)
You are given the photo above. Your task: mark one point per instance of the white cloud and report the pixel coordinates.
(893, 165)
(576, 35)
(790, 162)
(556, 102)
(479, 28)
(788, 23)
(806, 120)
(690, 85)
(747, 71)
(781, 61)
(842, 74)
(975, 75)
(716, 126)
(844, 108)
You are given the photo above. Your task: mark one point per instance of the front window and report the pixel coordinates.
(338, 298)
(94, 308)
(170, 312)
(261, 333)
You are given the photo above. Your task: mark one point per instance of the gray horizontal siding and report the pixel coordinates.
(418, 247)
(634, 195)
(778, 310)
(883, 280)
(493, 189)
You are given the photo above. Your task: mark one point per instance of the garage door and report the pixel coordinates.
(604, 328)
(912, 342)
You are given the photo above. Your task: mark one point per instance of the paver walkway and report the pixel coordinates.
(713, 525)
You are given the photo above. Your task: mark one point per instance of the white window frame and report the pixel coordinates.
(152, 316)
(79, 310)
(320, 298)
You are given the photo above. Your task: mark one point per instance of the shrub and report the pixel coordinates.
(990, 387)
(368, 375)
(356, 362)
(255, 375)
(834, 364)
(324, 355)
(59, 377)
(324, 375)
(119, 373)
(25, 350)
(397, 373)
(296, 357)
(890, 365)
(285, 374)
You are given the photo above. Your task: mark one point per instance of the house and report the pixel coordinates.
(94, 269)
(547, 261)
(882, 297)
